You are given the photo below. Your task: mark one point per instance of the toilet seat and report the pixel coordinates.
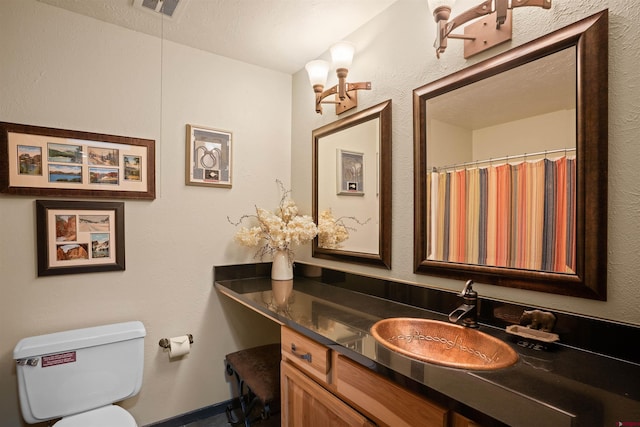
(107, 416)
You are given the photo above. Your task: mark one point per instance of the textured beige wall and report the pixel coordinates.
(63, 70)
(394, 51)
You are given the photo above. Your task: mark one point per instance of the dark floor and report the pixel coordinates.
(221, 420)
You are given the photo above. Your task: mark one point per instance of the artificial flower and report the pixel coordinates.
(277, 230)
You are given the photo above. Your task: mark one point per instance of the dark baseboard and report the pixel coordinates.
(189, 417)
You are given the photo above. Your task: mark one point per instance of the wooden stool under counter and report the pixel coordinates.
(257, 372)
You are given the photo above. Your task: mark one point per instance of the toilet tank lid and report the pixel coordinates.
(78, 338)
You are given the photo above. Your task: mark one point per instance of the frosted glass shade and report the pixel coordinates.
(317, 71)
(342, 54)
(434, 4)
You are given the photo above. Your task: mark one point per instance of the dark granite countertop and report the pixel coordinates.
(561, 386)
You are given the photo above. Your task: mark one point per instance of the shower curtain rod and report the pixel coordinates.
(500, 159)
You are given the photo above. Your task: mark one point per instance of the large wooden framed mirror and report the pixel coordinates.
(352, 187)
(511, 167)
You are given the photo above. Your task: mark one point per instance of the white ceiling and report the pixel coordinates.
(281, 35)
(538, 87)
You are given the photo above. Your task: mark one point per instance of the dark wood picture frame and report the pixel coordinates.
(40, 161)
(75, 237)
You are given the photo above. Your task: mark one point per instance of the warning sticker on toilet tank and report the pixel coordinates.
(58, 359)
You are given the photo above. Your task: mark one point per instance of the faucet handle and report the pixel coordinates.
(468, 288)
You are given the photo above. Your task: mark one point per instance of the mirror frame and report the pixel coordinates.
(382, 259)
(590, 38)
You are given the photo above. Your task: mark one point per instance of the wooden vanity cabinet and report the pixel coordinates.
(320, 387)
(457, 420)
(304, 379)
(383, 400)
(310, 357)
(306, 403)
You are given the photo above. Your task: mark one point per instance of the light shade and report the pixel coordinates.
(345, 93)
(317, 71)
(434, 4)
(342, 54)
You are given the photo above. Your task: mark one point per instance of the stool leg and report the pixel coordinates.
(231, 417)
(248, 400)
(266, 411)
(245, 402)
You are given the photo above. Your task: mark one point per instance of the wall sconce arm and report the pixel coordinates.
(480, 35)
(474, 13)
(349, 101)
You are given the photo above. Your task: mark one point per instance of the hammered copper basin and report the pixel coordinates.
(443, 343)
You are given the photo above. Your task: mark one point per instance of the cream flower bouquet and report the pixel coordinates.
(333, 231)
(278, 230)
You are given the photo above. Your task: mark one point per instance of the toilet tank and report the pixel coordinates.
(69, 372)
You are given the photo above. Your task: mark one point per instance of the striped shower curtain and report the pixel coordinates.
(510, 215)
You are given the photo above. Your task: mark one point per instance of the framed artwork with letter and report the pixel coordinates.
(350, 173)
(208, 157)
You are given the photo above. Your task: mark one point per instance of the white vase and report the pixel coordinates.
(281, 269)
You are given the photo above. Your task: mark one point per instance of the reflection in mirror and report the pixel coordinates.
(508, 166)
(511, 166)
(350, 156)
(352, 188)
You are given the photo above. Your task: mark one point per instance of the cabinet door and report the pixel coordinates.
(384, 401)
(306, 403)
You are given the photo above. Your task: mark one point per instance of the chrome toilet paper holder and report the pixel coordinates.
(165, 343)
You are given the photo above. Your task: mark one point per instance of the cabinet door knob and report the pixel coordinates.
(306, 356)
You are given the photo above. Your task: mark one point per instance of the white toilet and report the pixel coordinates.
(77, 375)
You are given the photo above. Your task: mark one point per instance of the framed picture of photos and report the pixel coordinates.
(55, 162)
(79, 237)
(208, 157)
(350, 169)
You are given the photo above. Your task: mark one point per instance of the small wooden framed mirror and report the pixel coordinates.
(352, 187)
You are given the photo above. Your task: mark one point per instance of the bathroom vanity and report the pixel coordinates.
(321, 382)
(333, 366)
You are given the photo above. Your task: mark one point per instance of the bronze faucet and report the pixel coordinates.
(468, 311)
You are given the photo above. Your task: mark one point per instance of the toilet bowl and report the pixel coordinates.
(108, 416)
(77, 375)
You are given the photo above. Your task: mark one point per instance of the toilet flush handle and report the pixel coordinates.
(28, 361)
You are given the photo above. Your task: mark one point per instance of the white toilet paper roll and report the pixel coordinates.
(179, 346)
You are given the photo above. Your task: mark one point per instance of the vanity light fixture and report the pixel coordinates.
(346, 95)
(492, 29)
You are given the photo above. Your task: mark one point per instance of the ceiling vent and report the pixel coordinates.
(168, 8)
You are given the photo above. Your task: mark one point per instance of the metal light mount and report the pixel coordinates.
(346, 94)
(348, 101)
(494, 27)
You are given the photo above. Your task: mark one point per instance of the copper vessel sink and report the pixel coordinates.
(443, 343)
